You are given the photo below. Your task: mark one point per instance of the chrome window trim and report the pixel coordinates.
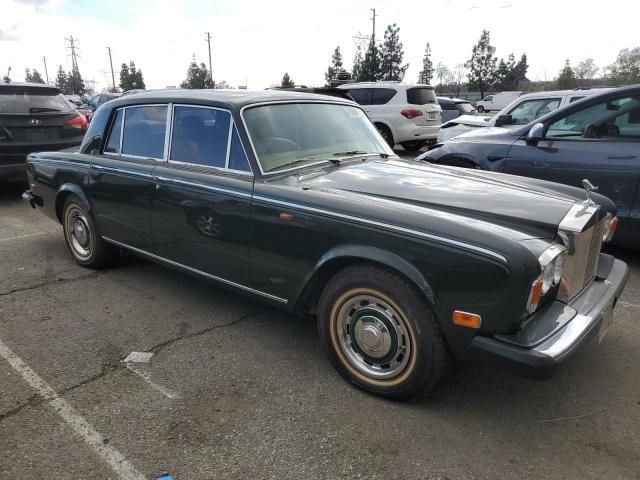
(232, 125)
(345, 103)
(122, 170)
(124, 120)
(386, 226)
(209, 167)
(198, 272)
(175, 181)
(244, 150)
(167, 132)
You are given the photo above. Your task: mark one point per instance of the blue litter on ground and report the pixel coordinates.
(163, 476)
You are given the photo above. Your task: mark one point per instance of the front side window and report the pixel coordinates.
(200, 136)
(488, 98)
(144, 131)
(527, 111)
(361, 96)
(380, 96)
(291, 135)
(113, 145)
(605, 120)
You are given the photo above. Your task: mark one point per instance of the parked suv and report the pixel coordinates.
(403, 113)
(34, 117)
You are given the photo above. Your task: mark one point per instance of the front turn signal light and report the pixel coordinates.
(610, 229)
(466, 319)
(535, 295)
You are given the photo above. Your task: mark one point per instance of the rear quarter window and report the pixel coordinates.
(421, 96)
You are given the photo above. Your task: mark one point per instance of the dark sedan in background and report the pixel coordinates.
(454, 107)
(597, 138)
(34, 117)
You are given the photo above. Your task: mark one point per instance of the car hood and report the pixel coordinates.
(505, 200)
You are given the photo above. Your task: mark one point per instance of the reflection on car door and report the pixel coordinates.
(202, 206)
(591, 143)
(121, 184)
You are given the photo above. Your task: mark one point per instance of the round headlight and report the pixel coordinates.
(547, 278)
(558, 267)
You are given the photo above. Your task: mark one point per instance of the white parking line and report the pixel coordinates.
(118, 463)
(164, 391)
(627, 304)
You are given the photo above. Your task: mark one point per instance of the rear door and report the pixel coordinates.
(121, 186)
(598, 142)
(201, 213)
(424, 100)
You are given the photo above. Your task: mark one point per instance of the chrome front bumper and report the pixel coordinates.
(537, 355)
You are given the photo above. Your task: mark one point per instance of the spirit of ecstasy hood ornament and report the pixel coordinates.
(589, 187)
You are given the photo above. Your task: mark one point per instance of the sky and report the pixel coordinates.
(256, 41)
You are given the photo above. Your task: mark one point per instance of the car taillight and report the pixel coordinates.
(411, 113)
(79, 122)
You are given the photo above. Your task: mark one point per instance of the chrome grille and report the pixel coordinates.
(582, 263)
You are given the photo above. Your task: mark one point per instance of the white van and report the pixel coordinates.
(496, 102)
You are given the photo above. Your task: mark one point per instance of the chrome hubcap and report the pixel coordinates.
(79, 232)
(373, 336)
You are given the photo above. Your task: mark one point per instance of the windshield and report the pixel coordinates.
(421, 96)
(26, 102)
(291, 135)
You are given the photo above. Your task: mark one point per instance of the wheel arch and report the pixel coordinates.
(63, 193)
(452, 158)
(385, 123)
(343, 256)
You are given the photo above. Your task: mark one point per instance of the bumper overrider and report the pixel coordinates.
(569, 326)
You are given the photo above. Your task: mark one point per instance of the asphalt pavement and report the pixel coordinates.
(236, 390)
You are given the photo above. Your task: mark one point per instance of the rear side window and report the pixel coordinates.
(361, 95)
(144, 131)
(200, 136)
(380, 96)
(421, 96)
(113, 145)
(237, 156)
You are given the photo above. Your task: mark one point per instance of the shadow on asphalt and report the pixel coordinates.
(11, 190)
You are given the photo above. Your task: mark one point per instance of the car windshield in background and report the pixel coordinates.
(421, 96)
(292, 135)
(465, 107)
(27, 102)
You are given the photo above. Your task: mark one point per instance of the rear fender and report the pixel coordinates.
(64, 191)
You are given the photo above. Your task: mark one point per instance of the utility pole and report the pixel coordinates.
(74, 55)
(373, 19)
(210, 69)
(113, 78)
(46, 74)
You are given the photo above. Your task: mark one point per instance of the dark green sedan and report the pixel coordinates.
(296, 200)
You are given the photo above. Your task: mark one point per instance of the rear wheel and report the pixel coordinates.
(386, 134)
(480, 109)
(414, 145)
(380, 333)
(82, 236)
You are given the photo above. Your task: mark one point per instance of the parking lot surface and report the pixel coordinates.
(238, 390)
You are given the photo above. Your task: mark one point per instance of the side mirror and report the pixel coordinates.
(536, 133)
(504, 120)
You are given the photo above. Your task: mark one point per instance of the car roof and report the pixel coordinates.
(226, 98)
(452, 100)
(384, 85)
(562, 93)
(29, 85)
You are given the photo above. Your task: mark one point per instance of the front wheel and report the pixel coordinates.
(82, 236)
(380, 333)
(480, 109)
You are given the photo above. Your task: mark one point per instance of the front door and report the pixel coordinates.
(201, 212)
(121, 183)
(600, 142)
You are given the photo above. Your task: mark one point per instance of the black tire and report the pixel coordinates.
(480, 109)
(388, 303)
(414, 145)
(83, 237)
(386, 134)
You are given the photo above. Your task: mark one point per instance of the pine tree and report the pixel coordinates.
(482, 64)
(75, 83)
(137, 80)
(125, 83)
(566, 78)
(370, 68)
(36, 77)
(287, 82)
(197, 77)
(61, 79)
(335, 67)
(426, 74)
(391, 55)
(357, 65)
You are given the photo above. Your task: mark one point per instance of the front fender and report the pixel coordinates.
(347, 254)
